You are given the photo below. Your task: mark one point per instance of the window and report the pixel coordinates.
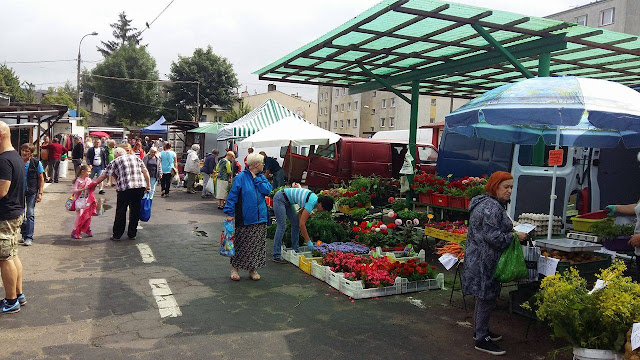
(217, 118)
(384, 103)
(433, 102)
(374, 95)
(337, 92)
(336, 109)
(393, 102)
(326, 125)
(348, 123)
(335, 124)
(342, 108)
(203, 118)
(432, 120)
(355, 123)
(372, 129)
(344, 91)
(392, 122)
(382, 122)
(349, 107)
(355, 105)
(328, 151)
(528, 154)
(373, 111)
(321, 96)
(326, 96)
(427, 155)
(581, 20)
(607, 17)
(326, 110)
(341, 124)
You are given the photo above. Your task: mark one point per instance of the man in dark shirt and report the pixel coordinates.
(55, 154)
(77, 154)
(273, 171)
(11, 214)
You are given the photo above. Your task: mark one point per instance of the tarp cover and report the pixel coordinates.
(291, 129)
(264, 115)
(156, 127)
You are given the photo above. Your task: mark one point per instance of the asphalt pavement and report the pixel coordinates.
(167, 295)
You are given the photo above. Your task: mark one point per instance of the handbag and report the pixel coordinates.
(81, 203)
(70, 204)
(531, 257)
(226, 239)
(145, 208)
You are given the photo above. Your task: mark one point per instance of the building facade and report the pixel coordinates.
(615, 15)
(364, 114)
(293, 102)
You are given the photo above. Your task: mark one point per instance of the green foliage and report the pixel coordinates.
(218, 81)
(373, 239)
(407, 214)
(377, 187)
(358, 200)
(63, 95)
(595, 321)
(608, 229)
(320, 227)
(133, 62)
(274, 191)
(398, 205)
(236, 113)
(10, 84)
(359, 214)
(474, 191)
(123, 34)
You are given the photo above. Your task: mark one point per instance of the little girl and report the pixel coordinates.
(85, 202)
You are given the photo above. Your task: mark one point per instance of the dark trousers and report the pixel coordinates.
(482, 314)
(165, 183)
(76, 165)
(54, 168)
(127, 199)
(46, 166)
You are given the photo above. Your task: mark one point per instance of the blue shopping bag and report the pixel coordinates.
(145, 208)
(226, 239)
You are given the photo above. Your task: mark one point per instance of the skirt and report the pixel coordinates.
(251, 247)
(221, 189)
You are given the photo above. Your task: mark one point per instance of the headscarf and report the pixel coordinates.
(495, 180)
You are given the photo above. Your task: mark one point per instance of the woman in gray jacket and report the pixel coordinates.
(490, 233)
(152, 162)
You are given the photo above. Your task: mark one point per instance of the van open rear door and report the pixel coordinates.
(294, 165)
(323, 166)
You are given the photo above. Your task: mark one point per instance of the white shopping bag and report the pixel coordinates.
(209, 187)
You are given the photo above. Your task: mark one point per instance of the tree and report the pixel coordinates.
(235, 114)
(10, 84)
(215, 74)
(123, 33)
(134, 101)
(63, 95)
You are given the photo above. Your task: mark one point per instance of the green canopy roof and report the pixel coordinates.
(208, 129)
(259, 118)
(442, 45)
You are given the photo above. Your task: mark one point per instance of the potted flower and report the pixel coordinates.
(351, 200)
(426, 185)
(595, 322)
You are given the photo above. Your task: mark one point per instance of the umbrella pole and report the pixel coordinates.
(553, 197)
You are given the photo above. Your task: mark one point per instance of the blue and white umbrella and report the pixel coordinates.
(554, 101)
(563, 111)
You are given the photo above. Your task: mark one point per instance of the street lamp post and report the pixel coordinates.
(78, 81)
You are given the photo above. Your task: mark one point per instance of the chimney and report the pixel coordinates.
(271, 87)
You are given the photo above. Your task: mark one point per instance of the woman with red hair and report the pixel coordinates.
(490, 233)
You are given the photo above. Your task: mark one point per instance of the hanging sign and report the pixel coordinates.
(556, 157)
(547, 266)
(635, 336)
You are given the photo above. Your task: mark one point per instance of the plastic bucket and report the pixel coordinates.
(593, 354)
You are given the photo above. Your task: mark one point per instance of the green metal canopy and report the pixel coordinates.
(264, 115)
(208, 129)
(454, 50)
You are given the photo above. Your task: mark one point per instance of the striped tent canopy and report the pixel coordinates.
(259, 118)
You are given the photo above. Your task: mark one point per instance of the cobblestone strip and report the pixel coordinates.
(167, 304)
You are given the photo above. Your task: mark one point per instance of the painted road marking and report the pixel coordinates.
(167, 304)
(146, 253)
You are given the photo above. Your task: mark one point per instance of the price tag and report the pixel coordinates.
(635, 337)
(547, 266)
(448, 260)
(556, 157)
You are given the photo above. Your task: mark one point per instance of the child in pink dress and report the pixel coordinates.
(85, 203)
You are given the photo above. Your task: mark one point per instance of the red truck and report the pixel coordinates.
(348, 157)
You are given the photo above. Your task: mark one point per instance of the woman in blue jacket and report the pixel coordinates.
(245, 203)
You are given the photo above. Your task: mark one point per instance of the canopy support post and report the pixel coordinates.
(413, 131)
(544, 63)
(512, 59)
(384, 83)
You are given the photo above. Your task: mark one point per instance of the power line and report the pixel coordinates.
(38, 61)
(142, 80)
(128, 101)
(154, 20)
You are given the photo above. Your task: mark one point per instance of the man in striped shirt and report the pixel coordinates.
(283, 207)
(132, 180)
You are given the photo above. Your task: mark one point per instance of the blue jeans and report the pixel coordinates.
(284, 210)
(95, 171)
(29, 219)
(153, 182)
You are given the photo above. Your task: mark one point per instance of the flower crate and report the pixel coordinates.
(347, 210)
(415, 286)
(292, 256)
(333, 279)
(444, 235)
(305, 263)
(356, 290)
(319, 271)
(456, 202)
(440, 199)
(425, 198)
(467, 202)
(394, 256)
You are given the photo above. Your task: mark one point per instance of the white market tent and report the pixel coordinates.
(291, 130)
(259, 118)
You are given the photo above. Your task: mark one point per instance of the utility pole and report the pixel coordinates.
(78, 80)
(198, 106)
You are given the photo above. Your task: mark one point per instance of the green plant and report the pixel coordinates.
(598, 320)
(320, 227)
(399, 205)
(355, 199)
(407, 214)
(359, 214)
(274, 191)
(608, 229)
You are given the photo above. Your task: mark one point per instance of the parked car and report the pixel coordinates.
(348, 157)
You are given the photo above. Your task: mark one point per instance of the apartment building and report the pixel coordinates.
(615, 15)
(364, 114)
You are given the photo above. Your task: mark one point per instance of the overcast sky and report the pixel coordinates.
(250, 33)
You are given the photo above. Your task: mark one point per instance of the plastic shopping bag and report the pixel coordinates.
(145, 208)
(209, 187)
(226, 239)
(511, 266)
(70, 204)
(531, 257)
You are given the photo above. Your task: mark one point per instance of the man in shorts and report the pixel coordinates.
(11, 213)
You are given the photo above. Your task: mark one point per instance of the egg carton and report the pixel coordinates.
(538, 217)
